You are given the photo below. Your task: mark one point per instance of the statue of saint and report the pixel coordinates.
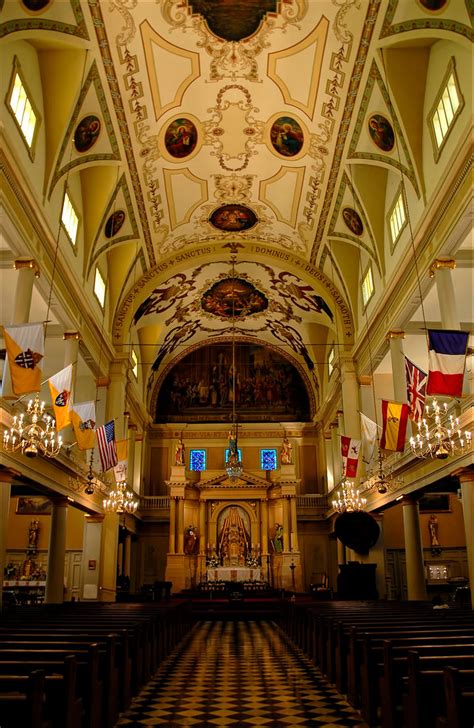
(179, 453)
(433, 529)
(286, 452)
(190, 540)
(234, 543)
(33, 533)
(277, 540)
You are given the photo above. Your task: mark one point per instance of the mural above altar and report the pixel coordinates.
(243, 573)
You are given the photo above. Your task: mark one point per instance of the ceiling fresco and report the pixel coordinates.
(233, 160)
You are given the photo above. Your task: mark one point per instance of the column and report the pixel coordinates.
(341, 552)
(120, 571)
(108, 558)
(466, 478)
(202, 527)
(264, 526)
(172, 539)
(336, 453)
(350, 398)
(329, 463)
(56, 552)
(294, 525)
(440, 270)
(116, 395)
(397, 355)
(132, 434)
(5, 492)
(127, 554)
(286, 524)
(71, 351)
(180, 549)
(416, 584)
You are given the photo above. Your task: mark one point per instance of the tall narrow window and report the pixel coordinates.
(268, 459)
(69, 219)
(135, 363)
(367, 286)
(99, 287)
(197, 460)
(397, 217)
(21, 106)
(331, 360)
(447, 106)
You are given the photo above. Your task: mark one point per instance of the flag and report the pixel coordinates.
(120, 470)
(25, 349)
(350, 455)
(60, 387)
(368, 430)
(83, 422)
(447, 358)
(107, 445)
(416, 389)
(395, 419)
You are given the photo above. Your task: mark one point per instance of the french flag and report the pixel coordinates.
(447, 358)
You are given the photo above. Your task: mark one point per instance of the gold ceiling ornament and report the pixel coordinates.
(439, 434)
(349, 499)
(33, 432)
(120, 500)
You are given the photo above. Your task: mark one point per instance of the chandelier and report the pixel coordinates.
(437, 440)
(33, 432)
(120, 500)
(348, 499)
(382, 481)
(233, 465)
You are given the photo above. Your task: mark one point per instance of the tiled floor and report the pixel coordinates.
(239, 674)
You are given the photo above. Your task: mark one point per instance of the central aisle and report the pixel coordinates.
(238, 674)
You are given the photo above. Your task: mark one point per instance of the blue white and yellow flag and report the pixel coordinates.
(25, 349)
(83, 422)
(60, 387)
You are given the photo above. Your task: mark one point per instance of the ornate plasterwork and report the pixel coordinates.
(53, 21)
(282, 193)
(229, 59)
(428, 21)
(193, 192)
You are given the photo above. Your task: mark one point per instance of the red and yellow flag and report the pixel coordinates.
(60, 388)
(395, 418)
(83, 422)
(25, 349)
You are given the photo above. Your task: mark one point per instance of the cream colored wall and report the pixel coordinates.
(450, 526)
(18, 525)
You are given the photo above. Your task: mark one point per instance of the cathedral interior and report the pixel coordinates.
(235, 223)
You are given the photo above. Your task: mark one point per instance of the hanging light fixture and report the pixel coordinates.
(348, 499)
(33, 432)
(382, 480)
(439, 434)
(120, 500)
(233, 465)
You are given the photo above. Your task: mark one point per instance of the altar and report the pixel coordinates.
(240, 573)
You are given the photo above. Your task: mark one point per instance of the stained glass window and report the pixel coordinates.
(268, 459)
(197, 459)
(227, 452)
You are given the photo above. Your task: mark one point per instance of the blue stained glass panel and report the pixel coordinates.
(268, 459)
(227, 452)
(197, 460)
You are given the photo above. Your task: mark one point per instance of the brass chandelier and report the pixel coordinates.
(349, 499)
(33, 432)
(439, 434)
(382, 480)
(120, 500)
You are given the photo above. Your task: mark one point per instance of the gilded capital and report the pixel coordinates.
(442, 263)
(395, 334)
(27, 263)
(71, 335)
(365, 380)
(102, 382)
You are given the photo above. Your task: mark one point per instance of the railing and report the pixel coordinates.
(312, 500)
(155, 502)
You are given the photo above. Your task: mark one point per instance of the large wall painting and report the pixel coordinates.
(381, 132)
(181, 138)
(233, 298)
(286, 136)
(86, 133)
(233, 21)
(200, 387)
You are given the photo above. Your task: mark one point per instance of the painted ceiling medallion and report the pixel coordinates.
(234, 21)
(233, 218)
(114, 223)
(432, 5)
(233, 298)
(352, 220)
(381, 132)
(35, 6)
(86, 133)
(181, 138)
(286, 136)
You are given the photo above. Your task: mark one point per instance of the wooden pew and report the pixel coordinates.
(21, 700)
(423, 699)
(62, 708)
(459, 698)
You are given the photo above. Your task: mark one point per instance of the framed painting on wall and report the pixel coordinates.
(434, 503)
(33, 506)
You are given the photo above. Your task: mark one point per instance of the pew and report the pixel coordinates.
(21, 700)
(459, 698)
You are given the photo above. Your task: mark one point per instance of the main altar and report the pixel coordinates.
(241, 529)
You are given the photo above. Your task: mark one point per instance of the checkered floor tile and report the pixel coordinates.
(239, 674)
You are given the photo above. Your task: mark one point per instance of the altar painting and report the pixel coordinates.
(200, 388)
(233, 528)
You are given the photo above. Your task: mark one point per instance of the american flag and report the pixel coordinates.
(416, 389)
(107, 445)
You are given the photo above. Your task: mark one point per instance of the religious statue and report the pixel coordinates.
(191, 541)
(433, 529)
(33, 533)
(234, 543)
(286, 452)
(179, 453)
(232, 441)
(277, 540)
